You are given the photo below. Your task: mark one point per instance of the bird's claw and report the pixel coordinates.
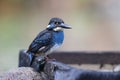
(50, 59)
(39, 63)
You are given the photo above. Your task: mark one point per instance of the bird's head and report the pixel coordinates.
(57, 24)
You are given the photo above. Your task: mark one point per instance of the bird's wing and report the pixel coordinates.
(42, 39)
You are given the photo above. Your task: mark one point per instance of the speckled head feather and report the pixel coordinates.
(56, 20)
(57, 24)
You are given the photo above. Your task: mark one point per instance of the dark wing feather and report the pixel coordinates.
(42, 39)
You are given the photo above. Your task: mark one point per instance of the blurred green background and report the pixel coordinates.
(95, 25)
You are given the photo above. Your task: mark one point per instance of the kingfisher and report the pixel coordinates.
(48, 40)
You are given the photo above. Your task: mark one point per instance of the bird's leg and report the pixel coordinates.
(48, 58)
(44, 51)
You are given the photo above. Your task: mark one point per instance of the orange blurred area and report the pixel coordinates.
(95, 25)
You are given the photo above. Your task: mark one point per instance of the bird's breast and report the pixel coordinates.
(57, 40)
(58, 37)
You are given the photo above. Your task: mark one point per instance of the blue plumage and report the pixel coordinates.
(49, 39)
(58, 37)
(57, 41)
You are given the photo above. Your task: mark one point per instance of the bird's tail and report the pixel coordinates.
(31, 57)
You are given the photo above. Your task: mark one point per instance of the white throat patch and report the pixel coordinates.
(58, 29)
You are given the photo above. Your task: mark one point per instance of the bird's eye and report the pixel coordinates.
(57, 23)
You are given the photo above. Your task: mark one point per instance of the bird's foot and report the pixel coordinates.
(49, 59)
(38, 63)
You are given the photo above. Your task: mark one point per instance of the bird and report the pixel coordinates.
(48, 40)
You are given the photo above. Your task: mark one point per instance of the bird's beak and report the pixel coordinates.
(65, 26)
